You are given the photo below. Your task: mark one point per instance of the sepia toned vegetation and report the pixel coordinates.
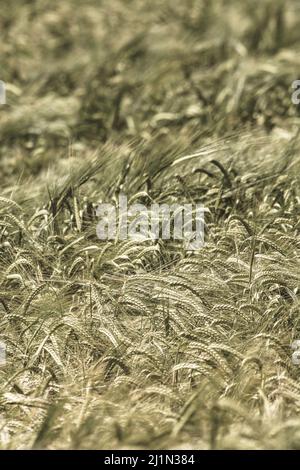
(125, 345)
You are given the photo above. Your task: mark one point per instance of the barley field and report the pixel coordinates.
(118, 344)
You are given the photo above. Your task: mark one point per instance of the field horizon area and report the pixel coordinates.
(121, 344)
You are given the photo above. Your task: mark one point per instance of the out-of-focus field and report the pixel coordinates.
(119, 344)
